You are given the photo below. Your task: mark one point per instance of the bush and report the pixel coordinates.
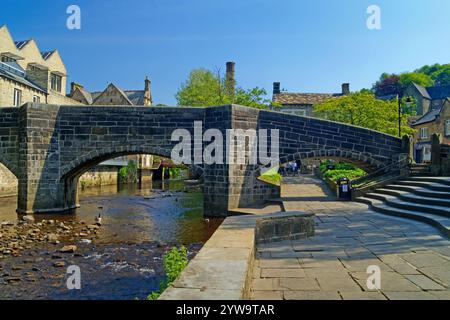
(175, 260)
(341, 170)
(129, 173)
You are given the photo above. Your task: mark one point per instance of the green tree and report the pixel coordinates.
(408, 78)
(364, 110)
(202, 88)
(206, 88)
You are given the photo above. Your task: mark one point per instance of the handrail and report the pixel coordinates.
(397, 166)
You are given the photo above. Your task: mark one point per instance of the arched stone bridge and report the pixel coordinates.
(47, 147)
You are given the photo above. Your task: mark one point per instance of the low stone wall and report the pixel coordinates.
(222, 270)
(100, 176)
(281, 228)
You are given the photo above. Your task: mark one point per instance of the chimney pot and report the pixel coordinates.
(276, 88)
(230, 79)
(346, 89)
(147, 93)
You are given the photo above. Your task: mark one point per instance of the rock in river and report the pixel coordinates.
(68, 249)
(28, 218)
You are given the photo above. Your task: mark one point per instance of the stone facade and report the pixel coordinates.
(436, 121)
(48, 147)
(24, 67)
(301, 104)
(100, 176)
(427, 98)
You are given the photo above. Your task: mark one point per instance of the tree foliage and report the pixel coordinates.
(206, 88)
(364, 110)
(392, 84)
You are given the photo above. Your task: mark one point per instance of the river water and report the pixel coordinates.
(124, 259)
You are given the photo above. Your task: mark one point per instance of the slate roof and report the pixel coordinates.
(286, 98)
(47, 54)
(20, 79)
(135, 96)
(431, 115)
(21, 44)
(433, 93)
(439, 92)
(86, 95)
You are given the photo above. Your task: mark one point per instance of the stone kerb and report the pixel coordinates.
(222, 270)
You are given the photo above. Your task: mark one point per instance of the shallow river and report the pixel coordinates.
(124, 260)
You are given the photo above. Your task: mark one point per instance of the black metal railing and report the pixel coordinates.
(385, 173)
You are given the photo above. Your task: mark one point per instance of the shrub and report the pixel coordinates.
(174, 261)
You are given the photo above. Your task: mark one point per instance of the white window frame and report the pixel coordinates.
(17, 99)
(56, 82)
(447, 127)
(424, 133)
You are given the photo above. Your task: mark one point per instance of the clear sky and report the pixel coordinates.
(309, 46)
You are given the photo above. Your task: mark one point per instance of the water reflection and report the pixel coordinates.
(169, 211)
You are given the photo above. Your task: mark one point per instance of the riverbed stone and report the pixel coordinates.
(68, 249)
(28, 218)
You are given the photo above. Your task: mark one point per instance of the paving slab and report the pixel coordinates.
(363, 295)
(312, 295)
(282, 273)
(424, 282)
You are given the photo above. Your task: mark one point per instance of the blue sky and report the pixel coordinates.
(309, 46)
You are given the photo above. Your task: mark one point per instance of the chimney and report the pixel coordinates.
(147, 93)
(276, 88)
(73, 86)
(230, 80)
(345, 89)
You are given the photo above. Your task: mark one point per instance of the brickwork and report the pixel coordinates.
(59, 143)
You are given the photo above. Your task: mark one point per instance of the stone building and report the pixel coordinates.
(112, 95)
(107, 172)
(427, 98)
(302, 103)
(436, 120)
(30, 75)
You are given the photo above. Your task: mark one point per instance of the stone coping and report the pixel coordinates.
(222, 268)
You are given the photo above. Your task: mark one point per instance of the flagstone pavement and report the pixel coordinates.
(413, 258)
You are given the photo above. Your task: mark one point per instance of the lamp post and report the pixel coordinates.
(408, 101)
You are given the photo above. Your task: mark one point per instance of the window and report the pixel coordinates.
(423, 133)
(17, 97)
(7, 59)
(447, 127)
(56, 81)
(36, 99)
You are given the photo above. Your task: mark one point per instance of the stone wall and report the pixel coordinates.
(100, 176)
(7, 93)
(9, 139)
(59, 143)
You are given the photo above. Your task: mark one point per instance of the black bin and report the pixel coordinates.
(344, 189)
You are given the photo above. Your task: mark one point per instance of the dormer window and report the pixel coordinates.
(56, 82)
(8, 59)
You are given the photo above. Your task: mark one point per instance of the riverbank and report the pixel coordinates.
(121, 259)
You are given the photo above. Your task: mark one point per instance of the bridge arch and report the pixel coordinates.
(62, 142)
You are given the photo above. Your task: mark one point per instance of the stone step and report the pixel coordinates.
(424, 184)
(401, 204)
(407, 196)
(441, 180)
(441, 223)
(418, 191)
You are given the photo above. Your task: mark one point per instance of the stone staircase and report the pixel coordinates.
(421, 198)
(419, 169)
